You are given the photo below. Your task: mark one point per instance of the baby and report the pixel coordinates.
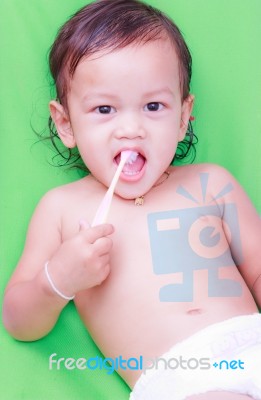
(176, 277)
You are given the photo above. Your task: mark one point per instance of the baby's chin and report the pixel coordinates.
(128, 196)
(130, 192)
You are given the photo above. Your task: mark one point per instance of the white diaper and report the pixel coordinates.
(222, 357)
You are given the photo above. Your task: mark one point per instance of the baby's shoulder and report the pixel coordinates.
(206, 182)
(61, 196)
(209, 179)
(209, 171)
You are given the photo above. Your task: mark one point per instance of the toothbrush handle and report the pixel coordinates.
(103, 210)
(117, 175)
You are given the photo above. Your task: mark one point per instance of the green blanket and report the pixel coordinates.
(224, 38)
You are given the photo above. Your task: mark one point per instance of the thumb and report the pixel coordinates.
(83, 224)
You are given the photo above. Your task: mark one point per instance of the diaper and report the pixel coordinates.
(222, 357)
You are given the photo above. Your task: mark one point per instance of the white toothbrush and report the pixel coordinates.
(103, 210)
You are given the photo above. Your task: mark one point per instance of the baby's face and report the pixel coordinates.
(128, 99)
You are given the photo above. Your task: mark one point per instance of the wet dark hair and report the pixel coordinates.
(107, 25)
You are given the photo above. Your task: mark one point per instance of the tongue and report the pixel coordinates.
(135, 166)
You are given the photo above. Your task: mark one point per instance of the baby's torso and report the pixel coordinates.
(171, 271)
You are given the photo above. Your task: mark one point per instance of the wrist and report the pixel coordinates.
(54, 286)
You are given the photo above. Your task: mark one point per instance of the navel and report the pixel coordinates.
(195, 311)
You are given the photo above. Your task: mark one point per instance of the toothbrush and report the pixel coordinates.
(103, 210)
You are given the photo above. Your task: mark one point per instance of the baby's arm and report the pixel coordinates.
(31, 307)
(249, 221)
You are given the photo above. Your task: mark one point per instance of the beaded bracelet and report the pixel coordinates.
(53, 286)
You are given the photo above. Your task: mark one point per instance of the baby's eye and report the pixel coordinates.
(155, 106)
(105, 109)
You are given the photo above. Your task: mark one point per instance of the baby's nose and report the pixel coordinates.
(130, 126)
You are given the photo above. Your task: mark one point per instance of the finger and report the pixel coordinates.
(103, 273)
(99, 231)
(103, 246)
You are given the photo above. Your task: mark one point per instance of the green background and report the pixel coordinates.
(224, 38)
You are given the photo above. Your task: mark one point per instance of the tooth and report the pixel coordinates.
(131, 172)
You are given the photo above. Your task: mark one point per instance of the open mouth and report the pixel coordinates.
(134, 166)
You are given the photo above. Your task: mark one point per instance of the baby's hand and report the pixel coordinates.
(82, 262)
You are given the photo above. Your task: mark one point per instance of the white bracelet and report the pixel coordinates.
(53, 286)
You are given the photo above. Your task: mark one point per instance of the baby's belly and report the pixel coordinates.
(136, 312)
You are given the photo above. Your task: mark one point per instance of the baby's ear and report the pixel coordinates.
(186, 111)
(62, 123)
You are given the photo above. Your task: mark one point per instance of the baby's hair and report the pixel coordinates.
(107, 25)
